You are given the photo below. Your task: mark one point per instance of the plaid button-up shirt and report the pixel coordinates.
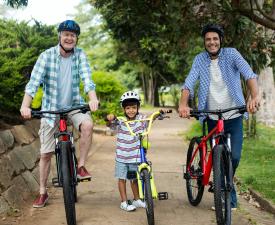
(231, 64)
(46, 71)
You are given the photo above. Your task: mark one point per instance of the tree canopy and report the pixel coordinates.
(164, 35)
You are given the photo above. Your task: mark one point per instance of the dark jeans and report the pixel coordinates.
(235, 128)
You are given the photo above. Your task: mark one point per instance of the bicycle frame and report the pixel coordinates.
(215, 134)
(144, 163)
(64, 135)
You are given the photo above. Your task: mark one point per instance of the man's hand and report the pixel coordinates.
(25, 112)
(93, 105)
(184, 111)
(253, 104)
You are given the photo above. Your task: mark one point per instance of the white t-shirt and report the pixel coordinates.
(219, 96)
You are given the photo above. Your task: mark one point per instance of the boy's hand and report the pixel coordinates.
(110, 117)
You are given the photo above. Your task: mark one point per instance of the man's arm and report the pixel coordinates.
(253, 102)
(184, 110)
(93, 102)
(25, 106)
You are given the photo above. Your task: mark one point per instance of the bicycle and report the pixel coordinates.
(199, 166)
(66, 161)
(144, 175)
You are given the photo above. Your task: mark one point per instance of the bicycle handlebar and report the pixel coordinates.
(83, 108)
(198, 113)
(158, 114)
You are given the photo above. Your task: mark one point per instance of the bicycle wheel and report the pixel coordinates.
(222, 176)
(194, 176)
(67, 183)
(74, 161)
(148, 197)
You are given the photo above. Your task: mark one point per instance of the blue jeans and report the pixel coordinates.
(235, 128)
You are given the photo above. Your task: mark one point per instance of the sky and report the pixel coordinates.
(49, 12)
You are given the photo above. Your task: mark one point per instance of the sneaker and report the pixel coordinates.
(125, 206)
(139, 204)
(82, 173)
(40, 201)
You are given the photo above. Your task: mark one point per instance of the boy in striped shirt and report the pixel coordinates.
(127, 149)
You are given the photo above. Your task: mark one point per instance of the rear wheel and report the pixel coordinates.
(193, 173)
(148, 197)
(222, 176)
(68, 184)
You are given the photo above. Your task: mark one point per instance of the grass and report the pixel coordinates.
(257, 166)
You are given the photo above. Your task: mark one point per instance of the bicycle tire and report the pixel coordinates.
(148, 197)
(67, 183)
(194, 186)
(222, 179)
(75, 175)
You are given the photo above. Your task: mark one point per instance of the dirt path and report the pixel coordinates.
(99, 200)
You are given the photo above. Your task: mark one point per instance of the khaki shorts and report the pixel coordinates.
(46, 132)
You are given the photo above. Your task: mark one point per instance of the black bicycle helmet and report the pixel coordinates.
(213, 28)
(69, 25)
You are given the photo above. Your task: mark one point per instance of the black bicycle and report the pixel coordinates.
(66, 161)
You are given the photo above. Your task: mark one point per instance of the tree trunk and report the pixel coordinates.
(266, 113)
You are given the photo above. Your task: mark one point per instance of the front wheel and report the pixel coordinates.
(68, 183)
(223, 184)
(194, 173)
(148, 197)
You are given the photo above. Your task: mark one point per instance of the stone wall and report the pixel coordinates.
(19, 157)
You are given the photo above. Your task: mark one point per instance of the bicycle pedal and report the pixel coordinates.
(84, 180)
(211, 188)
(163, 195)
(55, 182)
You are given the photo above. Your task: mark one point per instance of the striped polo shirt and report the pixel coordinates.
(127, 149)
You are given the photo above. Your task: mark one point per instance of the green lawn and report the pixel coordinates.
(257, 166)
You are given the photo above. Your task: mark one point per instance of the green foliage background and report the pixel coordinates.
(20, 45)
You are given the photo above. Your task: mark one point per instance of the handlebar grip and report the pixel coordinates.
(36, 114)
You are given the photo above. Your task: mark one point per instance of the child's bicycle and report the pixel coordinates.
(66, 161)
(199, 165)
(144, 175)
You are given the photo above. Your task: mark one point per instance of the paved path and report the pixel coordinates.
(99, 200)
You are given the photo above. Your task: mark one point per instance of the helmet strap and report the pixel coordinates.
(213, 55)
(67, 51)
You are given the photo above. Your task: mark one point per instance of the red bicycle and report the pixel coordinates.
(200, 162)
(66, 161)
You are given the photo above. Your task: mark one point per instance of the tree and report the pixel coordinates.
(16, 3)
(160, 35)
(259, 11)
(20, 46)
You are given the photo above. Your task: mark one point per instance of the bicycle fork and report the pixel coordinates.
(155, 194)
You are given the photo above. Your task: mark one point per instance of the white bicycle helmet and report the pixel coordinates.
(129, 96)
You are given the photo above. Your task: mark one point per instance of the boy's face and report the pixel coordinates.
(131, 111)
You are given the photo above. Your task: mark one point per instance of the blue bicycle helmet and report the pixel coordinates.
(69, 25)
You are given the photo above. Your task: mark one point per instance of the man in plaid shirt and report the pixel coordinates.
(218, 71)
(60, 69)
